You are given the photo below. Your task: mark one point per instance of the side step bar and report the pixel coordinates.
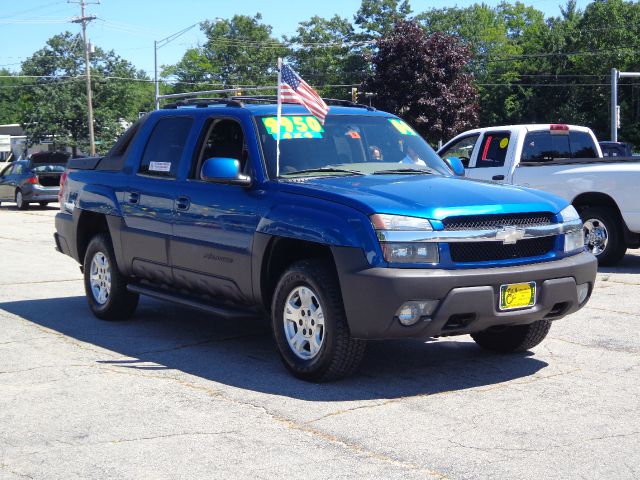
(222, 311)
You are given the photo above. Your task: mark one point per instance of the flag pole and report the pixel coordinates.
(279, 118)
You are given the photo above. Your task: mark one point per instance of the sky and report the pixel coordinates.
(129, 27)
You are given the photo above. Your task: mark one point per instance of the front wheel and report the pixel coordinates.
(105, 286)
(517, 338)
(20, 202)
(310, 326)
(603, 234)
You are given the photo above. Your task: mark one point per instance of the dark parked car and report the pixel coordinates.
(615, 149)
(36, 180)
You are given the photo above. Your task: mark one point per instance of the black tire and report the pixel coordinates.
(339, 354)
(610, 220)
(20, 202)
(44, 204)
(517, 338)
(120, 304)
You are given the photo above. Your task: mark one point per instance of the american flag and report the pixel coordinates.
(295, 90)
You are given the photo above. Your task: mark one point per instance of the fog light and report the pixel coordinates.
(410, 312)
(583, 291)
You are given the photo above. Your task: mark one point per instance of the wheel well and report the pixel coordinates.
(89, 224)
(596, 199)
(281, 253)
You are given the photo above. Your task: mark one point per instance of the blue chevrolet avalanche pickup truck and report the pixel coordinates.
(359, 232)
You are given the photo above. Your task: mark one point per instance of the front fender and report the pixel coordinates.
(335, 225)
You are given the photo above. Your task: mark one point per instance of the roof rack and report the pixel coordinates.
(204, 102)
(274, 98)
(196, 99)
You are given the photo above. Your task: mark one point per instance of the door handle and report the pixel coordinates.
(134, 197)
(497, 177)
(182, 203)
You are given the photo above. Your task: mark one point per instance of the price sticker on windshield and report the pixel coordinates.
(294, 126)
(402, 127)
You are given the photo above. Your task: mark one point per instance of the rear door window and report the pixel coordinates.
(165, 146)
(545, 147)
(493, 150)
(582, 145)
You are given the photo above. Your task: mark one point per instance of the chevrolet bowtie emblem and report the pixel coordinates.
(510, 235)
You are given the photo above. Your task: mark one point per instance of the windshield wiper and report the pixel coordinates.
(403, 170)
(323, 170)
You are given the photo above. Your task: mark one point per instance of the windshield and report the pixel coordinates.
(346, 145)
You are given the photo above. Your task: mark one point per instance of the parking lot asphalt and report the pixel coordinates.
(174, 393)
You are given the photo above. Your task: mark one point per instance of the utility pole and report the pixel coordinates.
(84, 20)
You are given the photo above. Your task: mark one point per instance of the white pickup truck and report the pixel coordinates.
(565, 160)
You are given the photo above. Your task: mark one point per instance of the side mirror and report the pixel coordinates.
(223, 170)
(456, 166)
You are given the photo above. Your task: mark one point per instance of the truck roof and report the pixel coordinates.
(530, 127)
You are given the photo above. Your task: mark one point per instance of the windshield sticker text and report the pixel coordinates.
(402, 127)
(294, 126)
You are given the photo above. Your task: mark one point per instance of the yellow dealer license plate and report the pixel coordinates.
(517, 295)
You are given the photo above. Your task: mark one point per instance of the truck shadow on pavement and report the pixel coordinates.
(630, 263)
(164, 337)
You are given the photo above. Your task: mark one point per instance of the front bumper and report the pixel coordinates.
(468, 298)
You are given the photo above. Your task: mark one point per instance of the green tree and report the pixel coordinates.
(497, 38)
(240, 51)
(11, 96)
(424, 79)
(324, 54)
(378, 17)
(60, 112)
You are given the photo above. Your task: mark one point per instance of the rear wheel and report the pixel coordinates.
(105, 286)
(603, 234)
(310, 326)
(20, 201)
(517, 338)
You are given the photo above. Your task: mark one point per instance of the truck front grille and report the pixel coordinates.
(467, 252)
(489, 222)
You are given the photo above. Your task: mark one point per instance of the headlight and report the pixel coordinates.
(405, 252)
(574, 241)
(411, 252)
(569, 214)
(383, 221)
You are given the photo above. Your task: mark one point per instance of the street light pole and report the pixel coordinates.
(155, 69)
(157, 44)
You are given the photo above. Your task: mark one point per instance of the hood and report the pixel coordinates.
(428, 196)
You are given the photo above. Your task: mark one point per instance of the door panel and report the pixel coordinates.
(148, 202)
(211, 243)
(148, 214)
(491, 159)
(6, 190)
(214, 223)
